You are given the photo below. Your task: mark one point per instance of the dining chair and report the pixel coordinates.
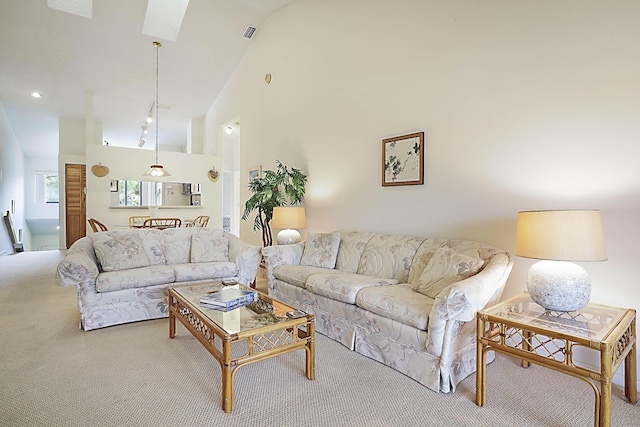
(95, 224)
(137, 221)
(200, 221)
(162, 223)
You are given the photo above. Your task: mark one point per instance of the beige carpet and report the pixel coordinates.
(53, 374)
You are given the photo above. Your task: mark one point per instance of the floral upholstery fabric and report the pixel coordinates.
(344, 286)
(153, 242)
(389, 256)
(119, 250)
(352, 244)
(432, 340)
(321, 250)
(112, 298)
(297, 274)
(209, 248)
(398, 302)
(444, 268)
(204, 270)
(135, 278)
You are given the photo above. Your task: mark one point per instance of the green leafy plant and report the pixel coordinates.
(282, 187)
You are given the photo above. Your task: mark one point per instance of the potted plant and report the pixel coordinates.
(282, 187)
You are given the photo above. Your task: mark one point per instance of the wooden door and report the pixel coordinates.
(75, 198)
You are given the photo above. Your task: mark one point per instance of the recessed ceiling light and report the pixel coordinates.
(37, 95)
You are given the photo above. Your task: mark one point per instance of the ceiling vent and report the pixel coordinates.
(248, 33)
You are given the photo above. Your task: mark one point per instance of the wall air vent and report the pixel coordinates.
(249, 32)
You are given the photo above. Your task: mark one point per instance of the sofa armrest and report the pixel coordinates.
(281, 255)
(461, 300)
(246, 257)
(77, 268)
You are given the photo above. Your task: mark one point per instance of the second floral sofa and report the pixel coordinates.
(408, 302)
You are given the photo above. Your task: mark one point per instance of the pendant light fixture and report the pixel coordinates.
(156, 169)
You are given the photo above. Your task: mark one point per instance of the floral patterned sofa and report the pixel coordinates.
(408, 302)
(123, 276)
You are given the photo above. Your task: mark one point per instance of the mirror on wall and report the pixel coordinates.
(125, 193)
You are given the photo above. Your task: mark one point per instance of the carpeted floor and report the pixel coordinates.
(53, 374)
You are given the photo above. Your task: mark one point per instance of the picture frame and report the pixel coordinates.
(255, 172)
(114, 186)
(403, 160)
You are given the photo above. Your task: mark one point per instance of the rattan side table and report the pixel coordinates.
(519, 327)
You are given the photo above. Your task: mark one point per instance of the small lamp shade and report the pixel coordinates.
(558, 237)
(288, 218)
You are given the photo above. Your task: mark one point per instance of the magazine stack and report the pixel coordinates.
(228, 299)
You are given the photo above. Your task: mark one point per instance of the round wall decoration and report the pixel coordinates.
(213, 174)
(99, 170)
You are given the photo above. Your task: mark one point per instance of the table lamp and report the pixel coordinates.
(557, 238)
(288, 218)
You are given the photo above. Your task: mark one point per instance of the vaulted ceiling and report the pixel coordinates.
(64, 55)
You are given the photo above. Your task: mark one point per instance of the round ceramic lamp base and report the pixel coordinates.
(288, 237)
(559, 285)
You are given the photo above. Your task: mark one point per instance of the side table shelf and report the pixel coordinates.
(521, 328)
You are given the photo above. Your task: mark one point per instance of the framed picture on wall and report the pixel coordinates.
(403, 160)
(255, 172)
(114, 186)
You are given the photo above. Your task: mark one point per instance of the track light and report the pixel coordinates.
(141, 142)
(144, 129)
(149, 118)
(229, 130)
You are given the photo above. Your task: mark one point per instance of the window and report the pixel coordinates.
(129, 193)
(47, 187)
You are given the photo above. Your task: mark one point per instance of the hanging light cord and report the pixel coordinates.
(157, 45)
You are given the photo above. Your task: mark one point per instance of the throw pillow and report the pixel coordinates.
(119, 251)
(321, 250)
(444, 268)
(207, 248)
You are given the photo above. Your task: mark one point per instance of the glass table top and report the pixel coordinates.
(266, 311)
(592, 322)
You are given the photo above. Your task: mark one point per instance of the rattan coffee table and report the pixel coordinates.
(248, 334)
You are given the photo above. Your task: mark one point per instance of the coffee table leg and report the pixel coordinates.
(172, 319)
(227, 388)
(311, 352)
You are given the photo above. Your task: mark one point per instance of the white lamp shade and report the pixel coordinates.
(289, 217)
(570, 235)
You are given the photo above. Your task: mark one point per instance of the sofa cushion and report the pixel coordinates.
(343, 286)
(352, 243)
(398, 302)
(389, 256)
(444, 268)
(204, 270)
(134, 278)
(321, 250)
(119, 250)
(297, 274)
(153, 245)
(177, 242)
(207, 248)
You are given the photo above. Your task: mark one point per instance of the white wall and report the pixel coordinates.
(525, 105)
(36, 208)
(11, 185)
(131, 164)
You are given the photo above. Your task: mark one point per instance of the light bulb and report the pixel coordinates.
(229, 130)
(144, 129)
(149, 118)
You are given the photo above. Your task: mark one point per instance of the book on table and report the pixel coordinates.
(227, 299)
